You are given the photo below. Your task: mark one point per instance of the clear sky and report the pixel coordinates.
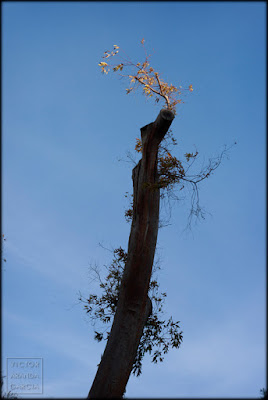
(64, 127)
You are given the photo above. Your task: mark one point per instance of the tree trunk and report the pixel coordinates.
(134, 305)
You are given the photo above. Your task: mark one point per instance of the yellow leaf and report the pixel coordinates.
(102, 64)
(119, 66)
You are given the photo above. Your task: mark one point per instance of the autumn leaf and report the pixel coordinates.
(138, 146)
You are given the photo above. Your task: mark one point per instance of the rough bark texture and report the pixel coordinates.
(134, 305)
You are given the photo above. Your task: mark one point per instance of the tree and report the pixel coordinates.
(134, 305)
(130, 277)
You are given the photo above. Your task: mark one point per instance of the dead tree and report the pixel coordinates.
(134, 305)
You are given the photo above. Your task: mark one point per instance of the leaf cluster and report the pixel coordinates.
(158, 335)
(144, 76)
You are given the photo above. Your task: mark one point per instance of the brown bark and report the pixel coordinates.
(134, 306)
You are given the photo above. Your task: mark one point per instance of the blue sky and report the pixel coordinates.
(64, 127)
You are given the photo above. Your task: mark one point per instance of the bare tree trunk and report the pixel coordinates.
(134, 305)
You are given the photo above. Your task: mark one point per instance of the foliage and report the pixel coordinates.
(145, 77)
(158, 335)
(174, 173)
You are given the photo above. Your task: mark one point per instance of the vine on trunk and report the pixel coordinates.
(174, 174)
